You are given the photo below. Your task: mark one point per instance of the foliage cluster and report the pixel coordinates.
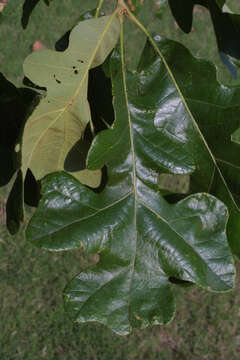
(101, 121)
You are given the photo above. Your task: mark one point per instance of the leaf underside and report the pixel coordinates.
(59, 121)
(142, 240)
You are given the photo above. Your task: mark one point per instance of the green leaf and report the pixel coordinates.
(63, 42)
(215, 146)
(143, 241)
(59, 121)
(178, 184)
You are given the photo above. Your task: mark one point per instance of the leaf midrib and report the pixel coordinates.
(85, 217)
(84, 304)
(80, 84)
(181, 237)
(146, 32)
(132, 265)
(226, 107)
(195, 124)
(228, 163)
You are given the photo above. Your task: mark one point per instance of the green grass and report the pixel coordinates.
(33, 324)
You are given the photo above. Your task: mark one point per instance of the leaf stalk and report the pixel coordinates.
(98, 8)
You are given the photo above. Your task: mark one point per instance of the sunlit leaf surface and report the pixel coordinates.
(61, 118)
(142, 240)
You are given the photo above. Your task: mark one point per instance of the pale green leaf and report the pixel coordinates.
(61, 118)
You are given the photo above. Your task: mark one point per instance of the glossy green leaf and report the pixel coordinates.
(142, 240)
(216, 109)
(59, 121)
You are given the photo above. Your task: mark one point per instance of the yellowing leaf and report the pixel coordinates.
(61, 118)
